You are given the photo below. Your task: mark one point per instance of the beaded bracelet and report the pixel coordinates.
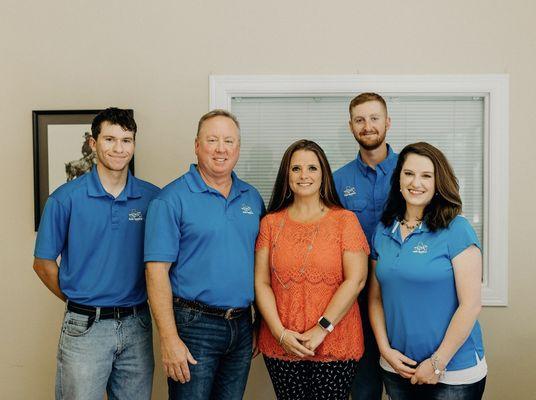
(435, 365)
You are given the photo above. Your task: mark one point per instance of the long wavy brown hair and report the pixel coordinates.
(446, 203)
(282, 196)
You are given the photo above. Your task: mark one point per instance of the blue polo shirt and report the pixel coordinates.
(419, 291)
(100, 239)
(364, 190)
(209, 239)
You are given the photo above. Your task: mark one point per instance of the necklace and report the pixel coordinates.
(308, 248)
(410, 227)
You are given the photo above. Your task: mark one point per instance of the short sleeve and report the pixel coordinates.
(263, 207)
(263, 239)
(373, 240)
(162, 232)
(53, 229)
(353, 237)
(461, 235)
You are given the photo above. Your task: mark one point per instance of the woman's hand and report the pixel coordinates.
(291, 342)
(400, 363)
(316, 336)
(425, 374)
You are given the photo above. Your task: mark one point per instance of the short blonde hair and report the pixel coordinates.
(217, 113)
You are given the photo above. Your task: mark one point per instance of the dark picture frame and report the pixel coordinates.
(47, 125)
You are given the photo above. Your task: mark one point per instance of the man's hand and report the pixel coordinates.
(175, 359)
(255, 351)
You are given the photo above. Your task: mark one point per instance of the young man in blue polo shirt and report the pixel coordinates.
(96, 222)
(199, 249)
(363, 185)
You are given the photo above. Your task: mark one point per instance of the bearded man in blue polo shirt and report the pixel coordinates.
(363, 186)
(199, 249)
(96, 222)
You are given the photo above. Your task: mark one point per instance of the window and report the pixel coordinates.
(466, 117)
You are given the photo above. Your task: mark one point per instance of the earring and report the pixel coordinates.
(288, 195)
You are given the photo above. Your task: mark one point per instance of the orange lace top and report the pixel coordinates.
(304, 281)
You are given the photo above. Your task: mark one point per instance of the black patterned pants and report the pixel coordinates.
(311, 380)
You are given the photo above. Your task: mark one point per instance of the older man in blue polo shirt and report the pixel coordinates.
(199, 249)
(363, 185)
(96, 222)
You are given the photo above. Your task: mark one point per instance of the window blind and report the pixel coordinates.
(454, 124)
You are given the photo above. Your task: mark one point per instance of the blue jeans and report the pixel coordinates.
(110, 355)
(222, 348)
(399, 388)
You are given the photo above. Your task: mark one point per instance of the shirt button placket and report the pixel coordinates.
(228, 210)
(115, 215)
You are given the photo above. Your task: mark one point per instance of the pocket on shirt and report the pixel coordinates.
(357, 204)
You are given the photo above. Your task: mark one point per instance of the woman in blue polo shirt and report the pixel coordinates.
(424, 295)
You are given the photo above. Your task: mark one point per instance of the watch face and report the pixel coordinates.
(324, 323)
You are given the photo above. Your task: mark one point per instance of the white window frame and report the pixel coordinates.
(495, 90)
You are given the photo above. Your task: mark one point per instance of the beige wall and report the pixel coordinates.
(155, 57)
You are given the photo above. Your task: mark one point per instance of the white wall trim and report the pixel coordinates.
(495, 87)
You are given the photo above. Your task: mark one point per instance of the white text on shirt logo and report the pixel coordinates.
(246, 209)
(349, 191)
(421, 248)
(135, 215)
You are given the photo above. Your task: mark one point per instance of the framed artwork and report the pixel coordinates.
(61, 151)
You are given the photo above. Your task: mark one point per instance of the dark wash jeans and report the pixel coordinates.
(399, 388)
(222, 348)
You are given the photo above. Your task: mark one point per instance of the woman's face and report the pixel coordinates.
(305, 174)
(417, 180)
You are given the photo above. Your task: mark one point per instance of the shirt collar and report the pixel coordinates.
(95, 188)
(385, 166)
(393, 229)
(197, 185)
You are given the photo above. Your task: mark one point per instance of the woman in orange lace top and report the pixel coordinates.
(310, 265)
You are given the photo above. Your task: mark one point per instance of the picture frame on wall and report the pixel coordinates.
(61, 151)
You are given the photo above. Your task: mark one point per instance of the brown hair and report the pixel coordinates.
(217, 113)
(365, 98)
(446, 203)
(282, 196)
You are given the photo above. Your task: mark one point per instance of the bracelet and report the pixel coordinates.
(282, 336)
(434, 359)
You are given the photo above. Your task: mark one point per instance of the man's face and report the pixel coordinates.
(114, 147)
(217, 147)
(369, 124)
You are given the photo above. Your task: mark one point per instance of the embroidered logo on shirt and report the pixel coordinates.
(349, 191)
(135, 215)
(421, 248)
(246, 209)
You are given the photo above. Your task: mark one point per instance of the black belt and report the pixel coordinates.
(106, 312)
(227, 313)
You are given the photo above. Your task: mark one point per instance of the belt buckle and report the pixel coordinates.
(228, 313)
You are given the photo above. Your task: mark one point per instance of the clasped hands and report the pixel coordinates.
(303, 344)
(408, 368)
